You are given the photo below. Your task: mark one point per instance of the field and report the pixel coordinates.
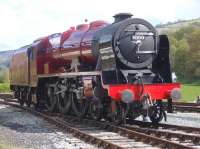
(190, 92)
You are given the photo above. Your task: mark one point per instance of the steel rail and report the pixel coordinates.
(66, 126)
(194, 138)
(134, 134)
(188, 129)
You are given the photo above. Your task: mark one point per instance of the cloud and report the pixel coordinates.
(23, 21)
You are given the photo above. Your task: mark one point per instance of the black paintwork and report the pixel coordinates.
(116, 47)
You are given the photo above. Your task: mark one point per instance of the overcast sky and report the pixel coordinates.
(22, 21)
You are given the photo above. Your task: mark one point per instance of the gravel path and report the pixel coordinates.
(19, 129)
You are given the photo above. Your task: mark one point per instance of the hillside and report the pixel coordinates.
(5, 57)
(184, 39)
(174, 26)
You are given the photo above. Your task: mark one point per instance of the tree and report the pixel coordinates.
(194, 47)
(185, 51)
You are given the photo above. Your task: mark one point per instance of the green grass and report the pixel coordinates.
(8, 146)
(4, 87)
(190, 92)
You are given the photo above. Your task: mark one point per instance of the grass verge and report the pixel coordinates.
(4, 87)
(190, 92)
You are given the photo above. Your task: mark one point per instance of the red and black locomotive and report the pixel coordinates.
(115, 71)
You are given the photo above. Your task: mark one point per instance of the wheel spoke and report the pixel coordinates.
(79, 105)
(21, 98)
(64, 102)
(95, 109)
(51, 99)
(29, 98)
(116, 113)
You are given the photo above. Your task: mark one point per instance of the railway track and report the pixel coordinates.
(189, 107)
(187, 129)
(6, 96)
(185, 107)
(186, 104)
(107, 135)
(185, 135)
(191, 140)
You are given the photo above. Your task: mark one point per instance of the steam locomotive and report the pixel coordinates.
(115, 71)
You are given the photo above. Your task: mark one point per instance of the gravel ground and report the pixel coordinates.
(19, 129)
(180, 118)
(184, 119)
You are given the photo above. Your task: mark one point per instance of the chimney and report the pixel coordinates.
(122, 16)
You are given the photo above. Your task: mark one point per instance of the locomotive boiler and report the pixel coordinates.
(115, 71)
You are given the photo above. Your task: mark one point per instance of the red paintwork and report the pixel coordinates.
(66, 34)
(72, 40)
(82, 27)
(156, 91)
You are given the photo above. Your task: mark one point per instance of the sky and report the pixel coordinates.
(23, 21)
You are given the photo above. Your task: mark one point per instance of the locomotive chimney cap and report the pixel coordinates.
(122, 16)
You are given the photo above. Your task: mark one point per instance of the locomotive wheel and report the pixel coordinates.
(51, 99)
(17, 94)
(156, 113)
(95, 109)
(64, 102)
(80, 106)
(22, 97)
(29, 98)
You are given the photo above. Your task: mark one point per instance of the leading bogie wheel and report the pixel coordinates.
(156, 112)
